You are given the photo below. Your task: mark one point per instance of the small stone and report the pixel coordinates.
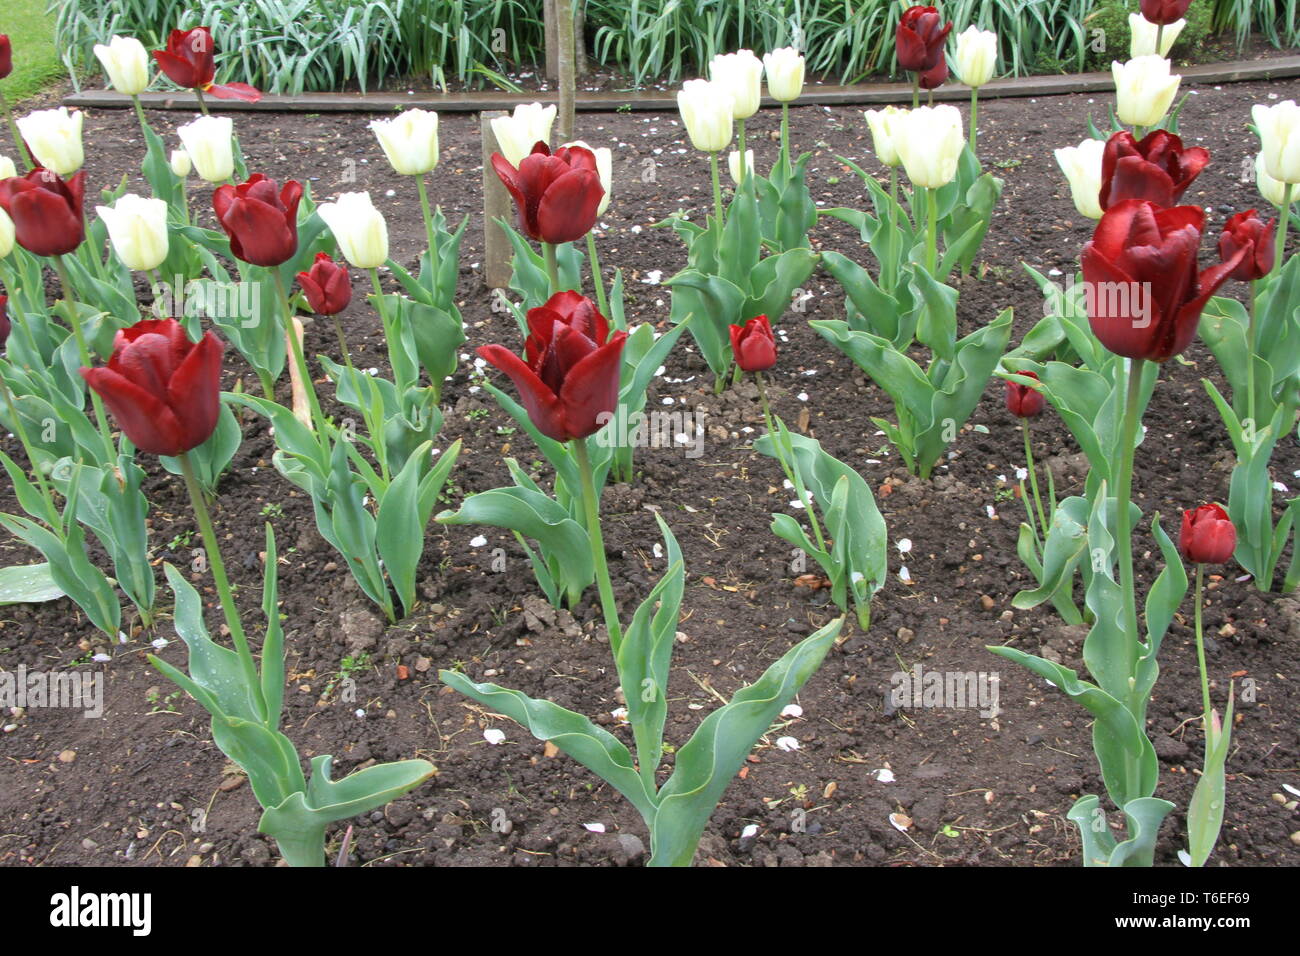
(67, 756)
(194, 861)
(906, 635)
(89, 844)
(987, 602)
(232, 783)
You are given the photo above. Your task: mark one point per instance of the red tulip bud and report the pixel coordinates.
(1208, 536)
(46, 211)
(1158, 168)
(920, 37)
(1164, 12)
(1248, 233)
(6, 56)
(327, 286)
(754, 345)
(557, 195)
(5, 326)
(1024, 401)
(261, 223)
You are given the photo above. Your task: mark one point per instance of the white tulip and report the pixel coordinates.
(1279, 136)
(1270, 188)
(519, 133)
(706, 114)
(741, 74)
(410, 141)
(1144, 89)
(359, 228)
(930, 141)
(605, 169)
(784, 68)
(6, 234)
(1142, 36)
(882, 124)
(126, 62)
(7, 169)
(977, 55)
(733, 164)
(1082, 167)
(209, 141)
(137, 228)
(54, 137)
(181, 164)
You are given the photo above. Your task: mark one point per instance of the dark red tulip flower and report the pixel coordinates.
(754, 345)
(46, 211)
(327, 285)
(1023, 401)
(935, 77)
(569, 385)
(1164, 12)
(1246, 231)
(1144, 293)
(6, 56)
(163, 389)
(188, 61)
(5, 326)
(920, 38)
(1208, 536)
(1159, 168)
(262, 223)
(557, 195)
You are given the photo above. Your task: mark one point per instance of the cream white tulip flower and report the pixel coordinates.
(137, 228)
(733, 164)
(1082, 167)
(209, 142)
(181, 164)
(741, 74)
(410, 141)
(1279, 135)
(706, 110)
(1270, 188)
(977, 56)
(1144, 89)
(1142, 36)
(126, 62)
(604, 168)
(6, 234)
(518, 133)
(930, 141)
(784, 68)
(54, 138)
(882, 123)
(359, 228)
(7, 168)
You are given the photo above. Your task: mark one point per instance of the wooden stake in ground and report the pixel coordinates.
(496, 205)
(567, 67)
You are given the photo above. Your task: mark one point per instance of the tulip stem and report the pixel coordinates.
(428, 228)
(83, 352)
(1033, 475)
(552, 266)
(785, 133)
(139, 114)
(297, 356)
(597, 279)
(1160, 36)
(740, 129)
(1251, 333)
(52, 513)
(891, 280)
(1283, 222)
(974, 120)
(203, 104)
(788, 466)
(932, 232)
(717, 188)
(1200, 648)
(916, 90)
(1123, 492)
(592, 506)
(213, 553)
(13, 131)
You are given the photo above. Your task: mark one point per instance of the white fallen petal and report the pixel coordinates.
(884, 775)
(787, 744)
(494, 736)
(792, 710)
(594, 827)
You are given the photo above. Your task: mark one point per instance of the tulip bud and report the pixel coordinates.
(54, 138)
(126, 62)
(326, 285)
(918, 41)
(883, 124)
(6, 56)
(929, 141)
(181, 164)
(604, 168)
(977, 56)
(7, 167)
(1164, 11)
(410, 141)
(137, 228)
(1270, 188)
(1142, 36)
(1279, 136)
(934, 77)
(519, 133)
(784, 68)
(1082, 167)
(1247, 231)
(733, 164)
(754, 345)
(706, 113)
(209, 142)
(1144, 90)
(359, 228)
(1208, 535)
(1024, 401)
(741, 74)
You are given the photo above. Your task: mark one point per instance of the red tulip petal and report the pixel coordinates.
(143, 417)
(567, 210)
(264, 237)
(235, 91)
(541, 404)
(1135, 178)
(195, 390)
(591, 387)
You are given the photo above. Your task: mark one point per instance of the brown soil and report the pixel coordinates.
(978, 791)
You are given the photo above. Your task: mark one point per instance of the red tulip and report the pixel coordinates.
(569, 385)
(1164, 11)
(754, 345)
(1144, 294)
(327, 285)
(163, 389)
(936, 77)
(6, 56)
(188, 61)
(920, 37)
(1158, 168)
(557, 195)
(262, 226)
(46, 211)
(1208, 536)
(1246, 231)
(1023, 401)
